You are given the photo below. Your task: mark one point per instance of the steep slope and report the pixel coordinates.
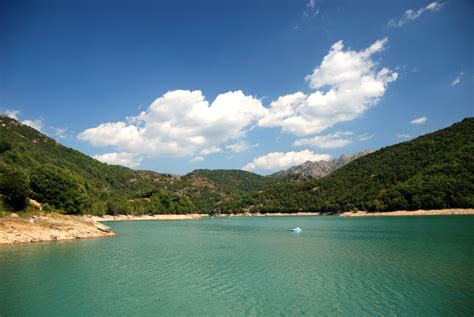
(433, 171)
(321, 168)
(25, 148)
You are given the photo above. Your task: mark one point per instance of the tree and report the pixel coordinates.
(117, 205)
(5, 145)
(15, 187)
(59, 187)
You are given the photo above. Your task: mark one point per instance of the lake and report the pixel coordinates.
(249, 266)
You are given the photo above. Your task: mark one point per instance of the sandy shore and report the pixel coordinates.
(440, 212)
(276, 214)
(148, 217)
(49, 227)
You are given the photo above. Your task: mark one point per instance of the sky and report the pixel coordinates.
(173, 86)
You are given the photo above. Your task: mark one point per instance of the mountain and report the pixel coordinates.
(433, 171)
(68, 180)
(321, 168)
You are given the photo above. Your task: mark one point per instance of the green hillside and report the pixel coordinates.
(433, 171)
(68, 180)
(243, 181)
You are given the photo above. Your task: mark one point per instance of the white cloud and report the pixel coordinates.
(281, 160)
(347, 83)
(311, 9)
(60, 132)
(365, 137)
(457, 80)
(197, 159)
(410, 14)
(240, 146)
(12, 114)
(180, 123)
(210, 150)
(329, 141)
(36, 124)
(405, 136)
(122, 158)
(418, 121)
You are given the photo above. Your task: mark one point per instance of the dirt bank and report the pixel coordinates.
(148, 217)
(49, 227)
(440, 212)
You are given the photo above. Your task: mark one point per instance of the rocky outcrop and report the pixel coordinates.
(49, 227)
(321, 168)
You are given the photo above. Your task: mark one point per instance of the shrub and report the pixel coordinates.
(15, 187)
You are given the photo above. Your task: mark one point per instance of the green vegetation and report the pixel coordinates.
(66, 180)
(243, 181)
(59, 187)
(431, 172)
(14, 187)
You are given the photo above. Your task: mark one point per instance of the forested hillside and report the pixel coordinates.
(36, 166)
(433, 171)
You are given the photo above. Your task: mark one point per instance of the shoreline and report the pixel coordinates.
(41, 226)
(420, 212)
(434, 212)
(49, 227)
(148, 217)
(170, 217)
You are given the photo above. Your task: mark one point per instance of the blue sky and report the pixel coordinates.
(172, 86)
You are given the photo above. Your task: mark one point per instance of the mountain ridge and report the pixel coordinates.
(319, 169)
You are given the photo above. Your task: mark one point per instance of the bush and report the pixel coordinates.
(15, 187)
(5, 145)
(47, 207)
(61, 188)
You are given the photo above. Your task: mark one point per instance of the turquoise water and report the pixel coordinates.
(249, 266)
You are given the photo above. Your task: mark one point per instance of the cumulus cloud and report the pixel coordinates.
(411, 14)
(197, 159)
(240, 146)
(329, 141)
(457, 80)
(405, 136)
(12, 114)
(418, 121)
(180, 123)
(280, 160)
(210, 150)
(346, 84)
(36, 124)
(60, 132)
(121, 158)
(365, 137)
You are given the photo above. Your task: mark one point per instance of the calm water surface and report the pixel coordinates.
(249, 266)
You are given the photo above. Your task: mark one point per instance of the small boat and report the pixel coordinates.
(297, 229)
